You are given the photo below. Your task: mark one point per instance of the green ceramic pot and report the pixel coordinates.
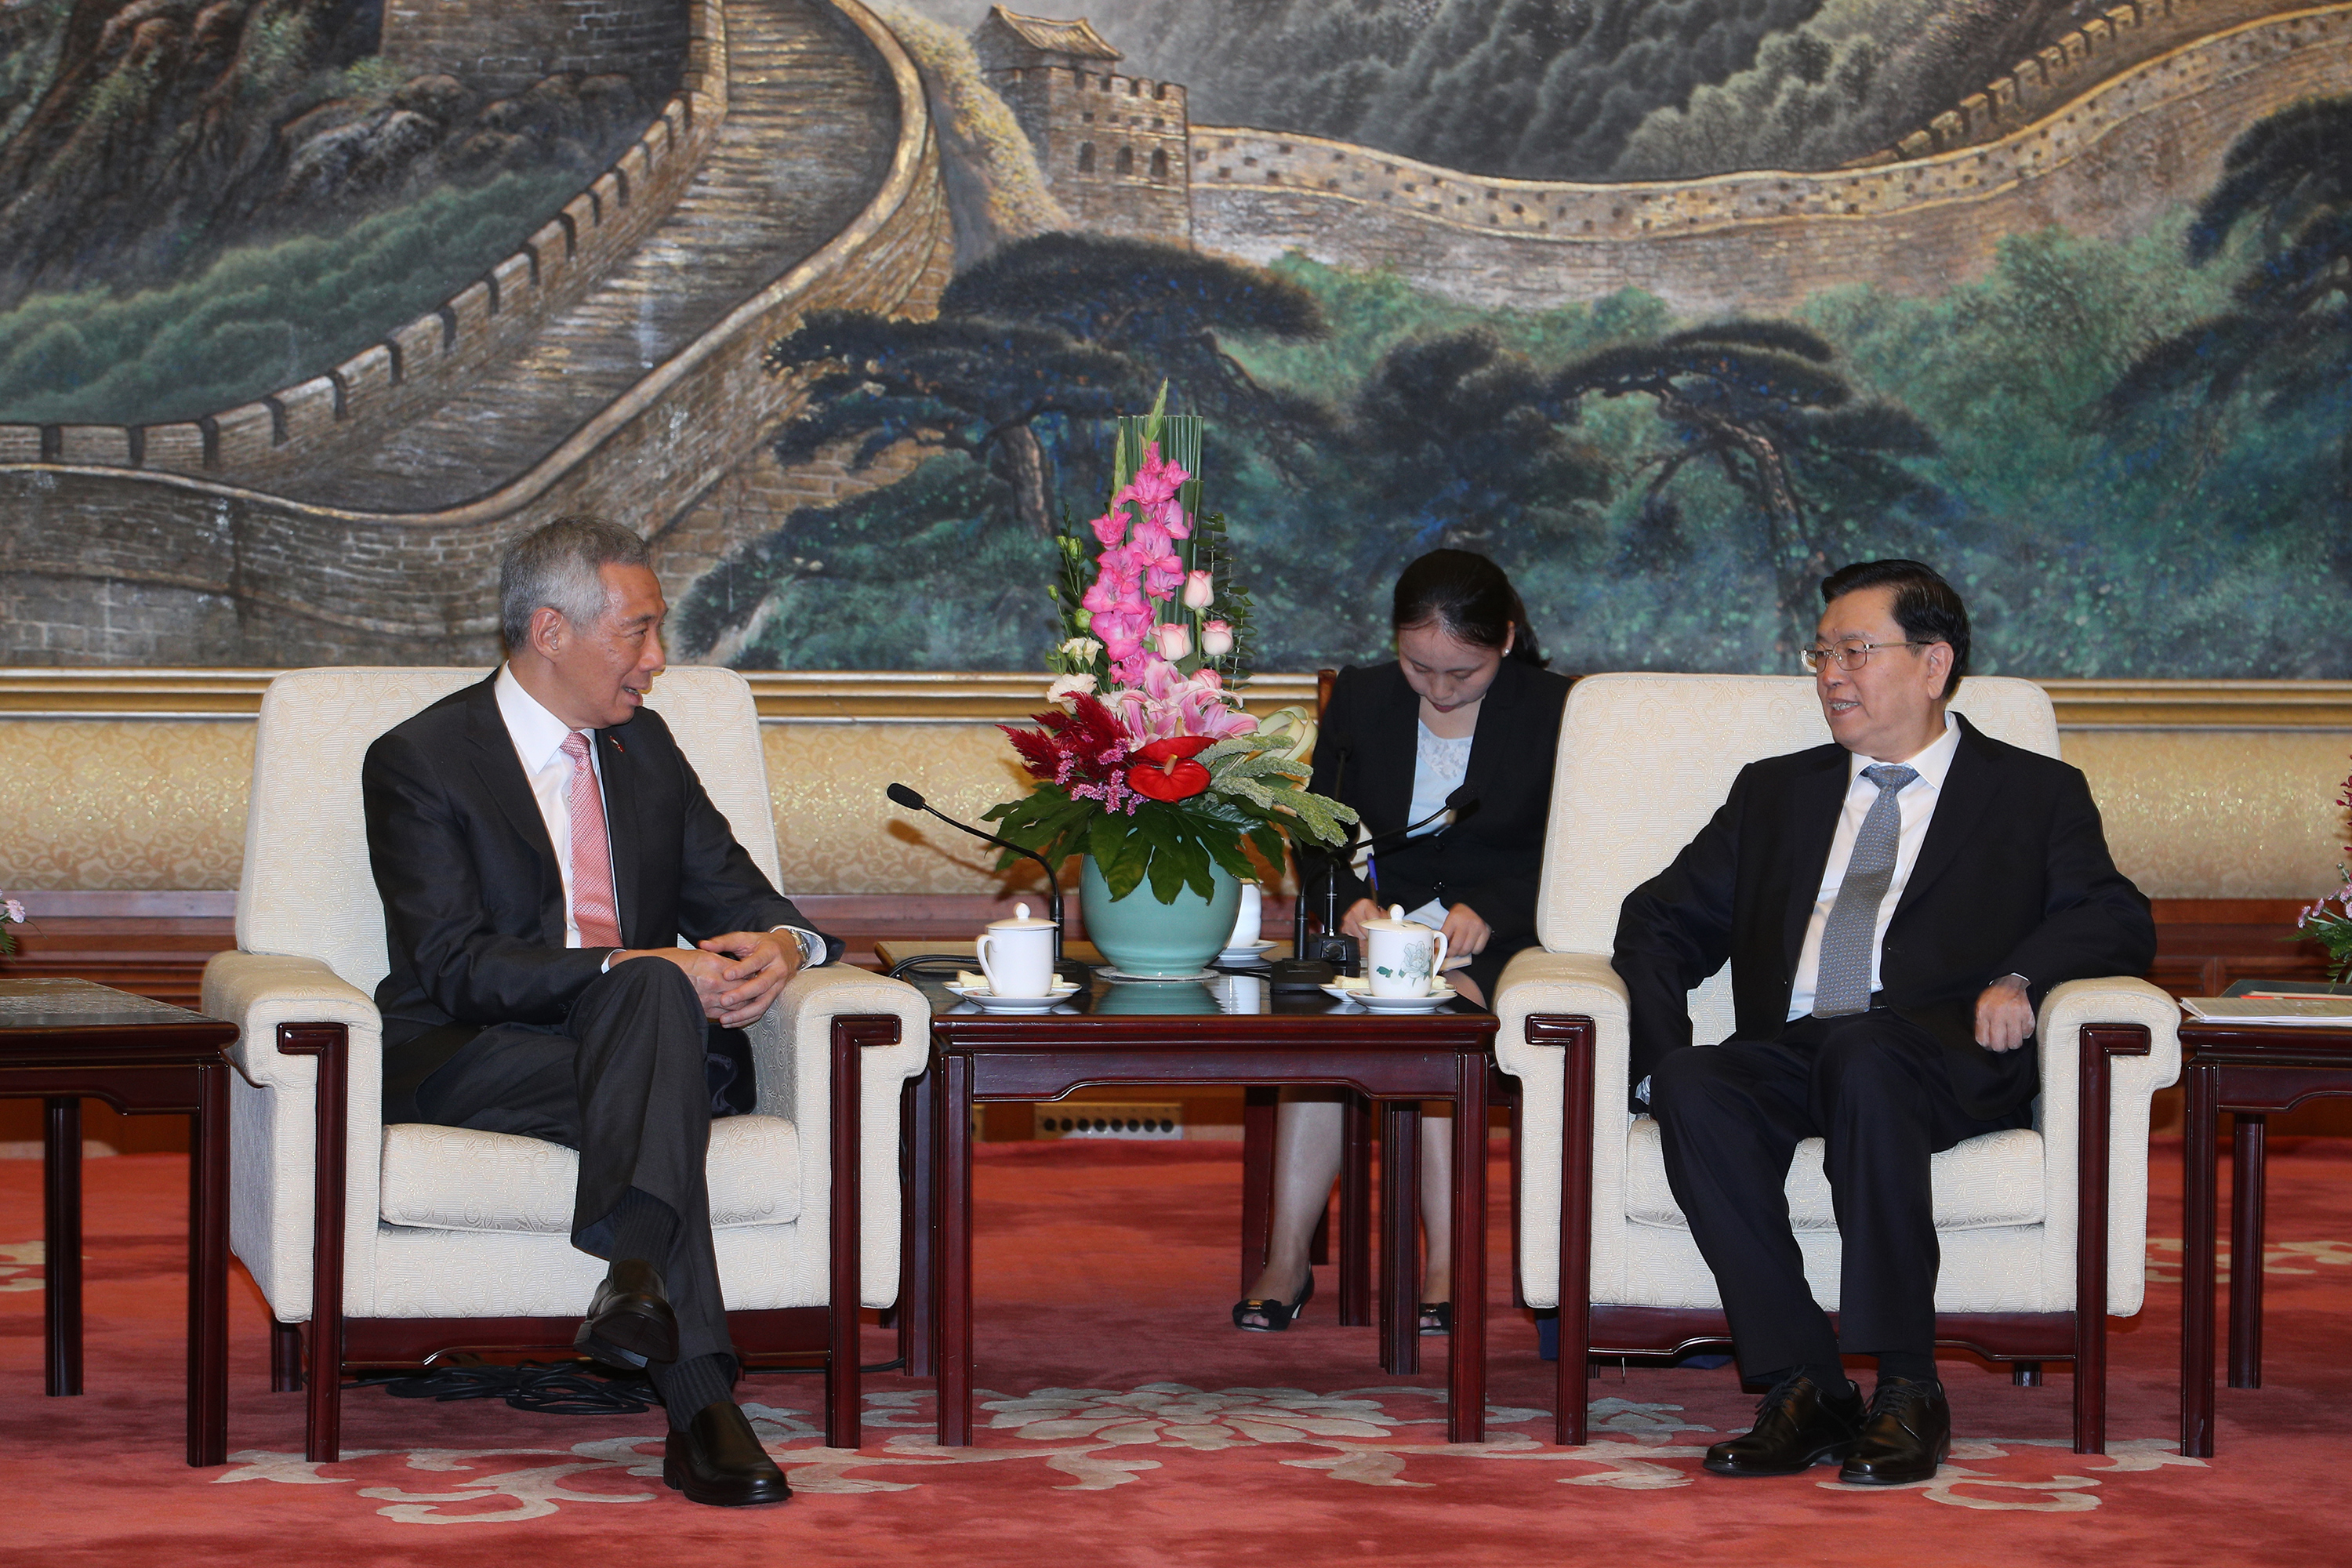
(1140, 935)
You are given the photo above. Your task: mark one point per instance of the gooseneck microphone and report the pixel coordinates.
(901, 796)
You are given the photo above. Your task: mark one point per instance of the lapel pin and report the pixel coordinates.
(616, 744)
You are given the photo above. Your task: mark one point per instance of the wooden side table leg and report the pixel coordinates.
(61, 1241)
(1400, 1249)
(919, 1323)
(1356, 1213)
(2201, 1131)
(1466, 1419)
(208, 1268)
(1261, 1108)
(953, 1143)
(2248, 1176)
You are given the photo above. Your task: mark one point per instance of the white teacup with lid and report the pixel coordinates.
(1402, 957)
(1017, 955)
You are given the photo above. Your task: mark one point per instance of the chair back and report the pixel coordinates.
(306, 888)
(1645, 761)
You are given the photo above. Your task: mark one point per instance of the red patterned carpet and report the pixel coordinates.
(1131, 1425)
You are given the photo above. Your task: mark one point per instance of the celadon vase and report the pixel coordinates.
(1140, 935)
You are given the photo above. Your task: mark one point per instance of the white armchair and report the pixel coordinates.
(388, 1246)
(2043, 1231)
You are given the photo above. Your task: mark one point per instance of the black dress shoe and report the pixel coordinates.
(1907, 1436)
(1797, 1426)
(629, 1322)
(716, 1460)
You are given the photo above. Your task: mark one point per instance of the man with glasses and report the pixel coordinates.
(1893, 908)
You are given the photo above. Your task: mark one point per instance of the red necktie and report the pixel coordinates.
(591, 853)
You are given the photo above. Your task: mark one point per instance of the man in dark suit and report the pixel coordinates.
(541, 842)
(1893, 908)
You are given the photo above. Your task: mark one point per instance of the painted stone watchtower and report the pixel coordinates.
(1113, 148)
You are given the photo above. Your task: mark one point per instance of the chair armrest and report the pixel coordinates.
(2132, 1082)
(273, 1121)
(792, 1054)
(1537, 982)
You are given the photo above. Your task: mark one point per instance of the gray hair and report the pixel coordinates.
(557, 566)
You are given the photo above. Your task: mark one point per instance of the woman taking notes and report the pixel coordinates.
(1468, 707)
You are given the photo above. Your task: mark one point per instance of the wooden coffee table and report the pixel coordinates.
(1177, 1033)
(2249, 1071)
(63, 1039)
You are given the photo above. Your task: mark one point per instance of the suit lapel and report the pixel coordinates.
(620, 779)
(1388, 754)
(500, 771)
(1967, 794)
(1816, 800)
(1495, 735)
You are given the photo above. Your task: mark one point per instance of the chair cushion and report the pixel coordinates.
(453, 1178)
(1995, 1180)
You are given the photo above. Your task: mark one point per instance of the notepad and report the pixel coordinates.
(2269, 1009)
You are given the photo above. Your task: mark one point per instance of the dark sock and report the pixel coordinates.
(1828, 1377)
(1915, 1366)
(692, 1386)
(645, 1228)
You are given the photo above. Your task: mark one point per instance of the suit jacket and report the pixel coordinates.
(473, 893)
(2013, 878)
(1491, 858)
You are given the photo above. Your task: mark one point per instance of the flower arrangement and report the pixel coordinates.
(1151, 765)
(2331, 927)
(11, 914)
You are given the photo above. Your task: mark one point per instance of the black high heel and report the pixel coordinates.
(1436, 1317)
(1278, 1314)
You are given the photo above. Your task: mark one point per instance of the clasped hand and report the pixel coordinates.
(738, 975)
(1465, 932)
(2004, 1015)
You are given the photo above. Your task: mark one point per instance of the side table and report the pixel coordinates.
(63, 1039)
(1179, 1032)
(2249, 1071)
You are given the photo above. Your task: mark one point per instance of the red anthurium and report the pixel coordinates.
(1179, 779)
(1175, 747)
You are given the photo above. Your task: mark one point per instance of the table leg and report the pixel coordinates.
(1466, 1354)
(919, 1323)
(1260, 1107)
(2246, 1182)
(61, 1241)
(1355, 1212)
(1399, 1216)
(953, 1145)
(208, 1268)
(2201, 1132)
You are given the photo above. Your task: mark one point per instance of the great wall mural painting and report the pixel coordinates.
(307, 306)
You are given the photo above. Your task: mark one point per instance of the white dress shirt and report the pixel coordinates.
(1916, 802)
(539, 736)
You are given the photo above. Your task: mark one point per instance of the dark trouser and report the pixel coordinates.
(623, 1081)
(1877, 1090)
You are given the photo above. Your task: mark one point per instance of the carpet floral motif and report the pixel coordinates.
(21, 1266)
(2278, 1258)
(1097, 1438)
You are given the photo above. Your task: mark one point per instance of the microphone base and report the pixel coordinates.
(1299, 975)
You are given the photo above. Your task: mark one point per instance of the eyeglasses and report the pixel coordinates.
(1848, 655)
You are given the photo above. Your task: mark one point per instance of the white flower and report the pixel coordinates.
(1173, 639)
(16, 911)
(1217, 638)
(1065, 685)
(1080, 650)
(1173, 1415)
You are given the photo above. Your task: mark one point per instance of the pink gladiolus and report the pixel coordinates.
(1199, 592)
(1173, 640)
(1216, 637)
(1110, 527)
(1157, 479)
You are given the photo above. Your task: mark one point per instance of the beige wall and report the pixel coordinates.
(144, 803)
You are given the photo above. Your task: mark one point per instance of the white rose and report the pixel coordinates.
(1066, 685)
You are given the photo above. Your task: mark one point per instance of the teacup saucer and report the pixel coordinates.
(1244, 953)
(1362, 996)
(981, 996)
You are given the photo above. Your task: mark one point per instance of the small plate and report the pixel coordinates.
(1244, 953)
(990, 1001)
(1123, 977)
(1364, 998)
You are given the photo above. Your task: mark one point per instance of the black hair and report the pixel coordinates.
(1926, 608)
(1468, 597)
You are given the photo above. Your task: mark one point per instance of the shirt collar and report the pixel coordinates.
(1931, 765)
(538, 735)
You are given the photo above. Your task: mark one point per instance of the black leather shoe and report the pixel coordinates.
(1797, 1427)
(716, 1460)
(1908, 1433)
(629, 1322)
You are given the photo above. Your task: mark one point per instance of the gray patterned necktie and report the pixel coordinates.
(1843, 986)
